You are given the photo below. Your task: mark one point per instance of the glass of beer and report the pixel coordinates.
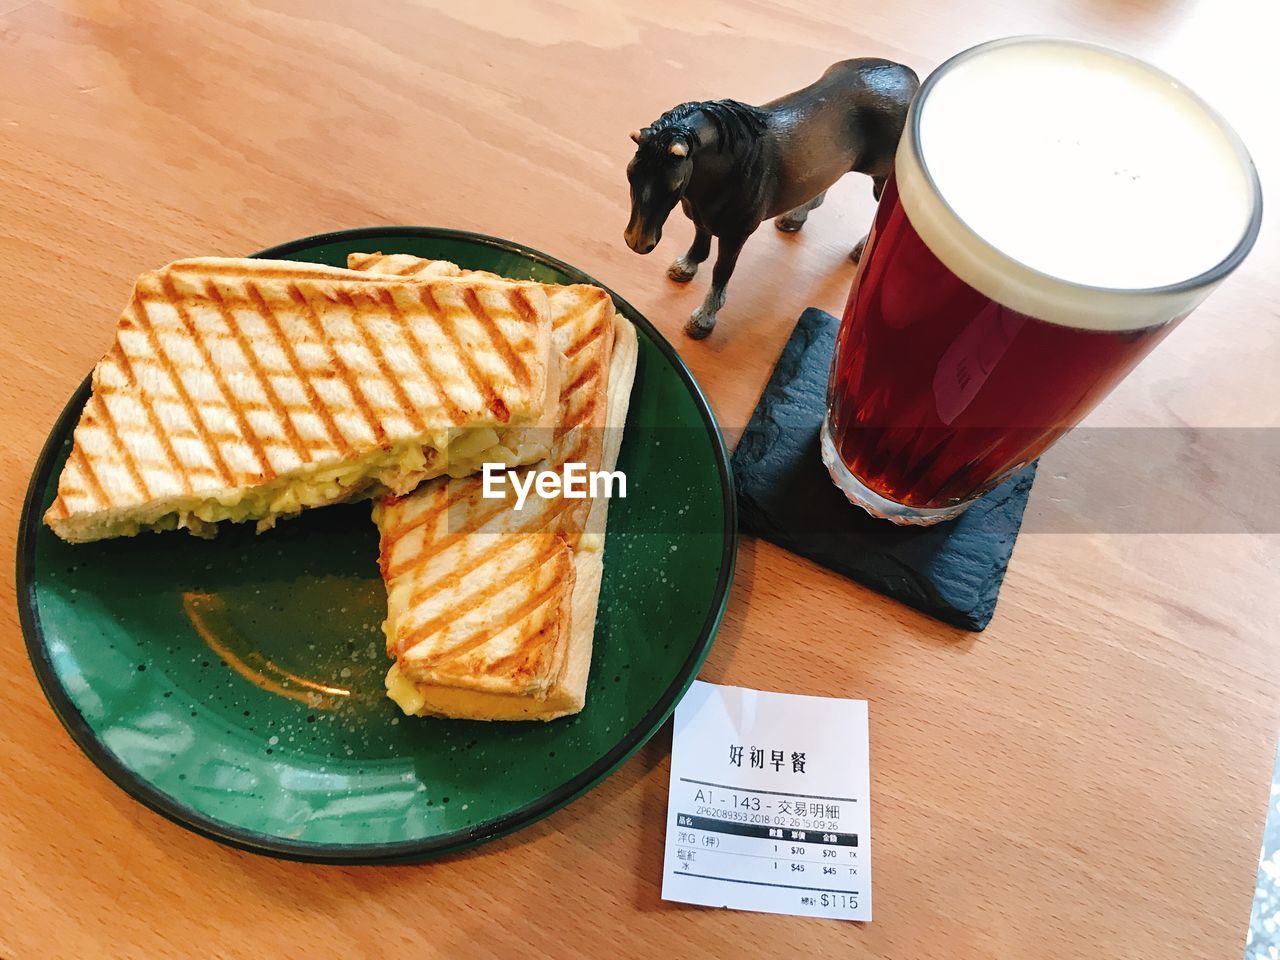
(1056, 208)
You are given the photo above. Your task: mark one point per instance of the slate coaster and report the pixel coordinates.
(951, 571)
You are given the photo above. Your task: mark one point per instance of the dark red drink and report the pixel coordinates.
(939, 392)
(963, 352)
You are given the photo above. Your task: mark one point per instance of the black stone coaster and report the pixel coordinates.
(951, 571)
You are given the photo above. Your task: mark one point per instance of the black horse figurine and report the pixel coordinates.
(732, 166)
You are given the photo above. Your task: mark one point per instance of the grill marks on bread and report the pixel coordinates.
(479, 594)
(225, 374)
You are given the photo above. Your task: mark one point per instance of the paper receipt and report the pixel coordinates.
(770, 804)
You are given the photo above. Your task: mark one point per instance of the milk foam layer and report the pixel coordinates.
(1067, 181)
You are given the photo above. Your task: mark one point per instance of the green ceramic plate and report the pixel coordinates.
(235, 685)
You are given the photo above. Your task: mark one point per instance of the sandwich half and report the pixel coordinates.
(491, 610)
(240, 389)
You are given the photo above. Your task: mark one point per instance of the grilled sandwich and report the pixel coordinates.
(491, 610)
(251, 389)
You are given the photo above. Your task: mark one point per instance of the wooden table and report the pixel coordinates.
(1087, 778)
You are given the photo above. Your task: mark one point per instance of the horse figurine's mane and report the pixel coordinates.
(735, 123)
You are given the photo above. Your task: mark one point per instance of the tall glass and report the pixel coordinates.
(1056, 209)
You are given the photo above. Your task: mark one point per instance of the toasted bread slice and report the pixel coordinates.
(480, 597)
(468, 598)
(250, 389)
(403, 265)
(583, 328)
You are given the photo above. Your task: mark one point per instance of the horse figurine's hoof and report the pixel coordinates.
(794, 219)
(703, 320)
(790, 223)
(699, 326)
(682, 270)
(856, 253)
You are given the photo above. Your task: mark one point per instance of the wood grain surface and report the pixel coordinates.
(1088, 778)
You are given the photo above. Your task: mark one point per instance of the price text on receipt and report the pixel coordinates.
(770, 804)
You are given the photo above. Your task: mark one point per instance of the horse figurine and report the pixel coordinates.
(731, 166)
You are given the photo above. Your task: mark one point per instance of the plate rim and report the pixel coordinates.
(401, 851)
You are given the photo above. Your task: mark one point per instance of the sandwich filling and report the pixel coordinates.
(394, 471)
